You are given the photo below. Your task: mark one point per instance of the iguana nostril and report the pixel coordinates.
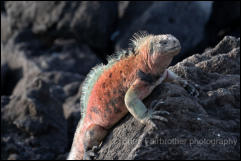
(174, 41)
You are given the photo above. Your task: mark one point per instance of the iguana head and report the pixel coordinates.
(158, 50)
(164, 45)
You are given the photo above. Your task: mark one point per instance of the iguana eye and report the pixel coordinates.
(163, 42)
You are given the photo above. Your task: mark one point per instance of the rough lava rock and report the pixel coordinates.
(37, 112)
(68, 56)
(90, 22)
(19, 60)
(34, 120)
(5, 28)
(207, 127)
(33, 124)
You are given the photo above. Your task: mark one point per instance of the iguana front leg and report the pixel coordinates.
(189, 86)
(133, 101)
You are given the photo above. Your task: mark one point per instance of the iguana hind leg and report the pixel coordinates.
(93, 136)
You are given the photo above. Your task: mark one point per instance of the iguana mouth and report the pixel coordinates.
(176, 47)
(173, 51)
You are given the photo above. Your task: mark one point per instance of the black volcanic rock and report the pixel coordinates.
(90, 22)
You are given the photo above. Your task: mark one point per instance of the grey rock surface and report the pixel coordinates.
(90, 22)
(18, 60)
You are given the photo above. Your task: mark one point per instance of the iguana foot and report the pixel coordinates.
(156, 103)
(91, 154)
(93, 137)
(153, 114)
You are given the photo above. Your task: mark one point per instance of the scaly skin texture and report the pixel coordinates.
(122, 87)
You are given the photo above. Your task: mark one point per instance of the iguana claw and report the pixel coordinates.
(152, 114)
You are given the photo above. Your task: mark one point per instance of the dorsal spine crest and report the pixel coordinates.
(138, 39)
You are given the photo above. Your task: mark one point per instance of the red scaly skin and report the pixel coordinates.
(106, 106)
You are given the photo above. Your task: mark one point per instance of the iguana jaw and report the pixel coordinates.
(173, 51)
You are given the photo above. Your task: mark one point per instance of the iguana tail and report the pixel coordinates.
(77, 149)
